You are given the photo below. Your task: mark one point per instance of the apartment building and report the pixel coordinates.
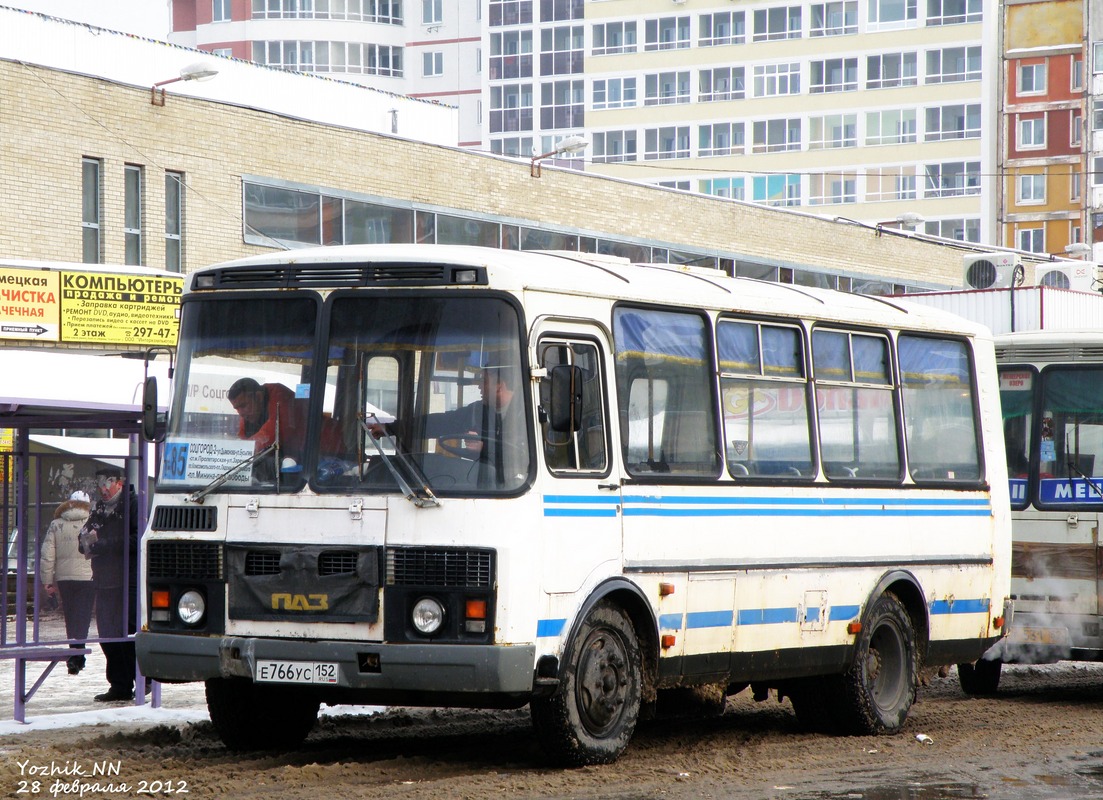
(879, 110)
(431, 50)
(1044, 203)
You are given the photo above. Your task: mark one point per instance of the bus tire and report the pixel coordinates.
(879, 687)
(592, 714)
(981, 679)
(251, 717)
(815, 702)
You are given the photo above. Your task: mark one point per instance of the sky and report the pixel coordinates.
(149, 18)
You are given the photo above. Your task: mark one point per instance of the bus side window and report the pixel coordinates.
(583, 447)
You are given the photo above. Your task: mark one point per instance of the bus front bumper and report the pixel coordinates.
(430, 669)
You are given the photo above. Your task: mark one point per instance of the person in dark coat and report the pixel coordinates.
(109, 539)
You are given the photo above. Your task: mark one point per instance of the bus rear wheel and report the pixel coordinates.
(251, 717)
(981, 679)
(879, 687)
(592, 714)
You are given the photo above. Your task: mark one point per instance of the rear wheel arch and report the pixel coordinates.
(909, 592)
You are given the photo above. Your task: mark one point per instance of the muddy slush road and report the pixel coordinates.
(1041, 737)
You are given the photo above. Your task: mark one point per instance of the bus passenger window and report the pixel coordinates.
(854, 395)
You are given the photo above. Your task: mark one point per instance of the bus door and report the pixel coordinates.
(581, 498)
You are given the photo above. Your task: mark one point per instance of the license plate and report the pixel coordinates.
(296, 672)
(1030, 635)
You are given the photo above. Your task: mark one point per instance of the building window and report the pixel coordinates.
(834, 19)
(833, 130)
(668, 33)
(614, 146)
(174, 221)
(220, 11)
(961, 230)
(513, 146)
(720, 139)
(132, 214)
(1074, 187)
(1032, 240)
(1032, 79)
(834, 75)
(890, 183)
(952, 122)
(510, 55)
(666, 142)
(562, 105)
(892, 14)
(833, 188)
(561, 10)
(1031, 189)
(511, 108)
(432, 12)
(776, 135)
(782, 22)
(1097, 171)
(91, 205)
(953, 179)
(612, 38)
(1077, 74)
(721, 83)
(614, 93)
(723, 187)
(889, 70)
(1076, 125)
(432, 64)
(385, 11)
(665, 88)
(953, 65)
(776, 79)
(953, 12)
(776, 190)
(562, 50)
(724, 27)
(1032, 132)
(323, 57)
(893, 126)
(510, 12)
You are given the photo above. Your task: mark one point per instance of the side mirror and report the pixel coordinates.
(149, 410)
(565, 398)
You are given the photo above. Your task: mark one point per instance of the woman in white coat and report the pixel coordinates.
(66, 571)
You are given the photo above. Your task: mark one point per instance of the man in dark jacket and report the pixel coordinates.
(110, 539)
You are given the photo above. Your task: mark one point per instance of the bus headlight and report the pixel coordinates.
(191, 607)
(427, 615)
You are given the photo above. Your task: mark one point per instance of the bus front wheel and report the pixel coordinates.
(592, 714)
(251, 717)
(879, 687)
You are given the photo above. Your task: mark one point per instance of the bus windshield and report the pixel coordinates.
(422, 391)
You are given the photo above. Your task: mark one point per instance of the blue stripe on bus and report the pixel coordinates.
(550, 627)
(839, 613)
(980, 606)
(709, 619)
(670, 622)
(766, 616)
(559, 505)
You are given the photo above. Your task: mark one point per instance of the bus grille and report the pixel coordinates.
(185, 518)
(262, 562)
(470, 569)
(336, 275)
(194, 560)
(337, 562)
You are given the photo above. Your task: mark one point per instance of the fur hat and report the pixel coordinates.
(80, 497)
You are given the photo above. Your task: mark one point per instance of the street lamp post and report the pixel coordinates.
(192, 72)
(570, 144)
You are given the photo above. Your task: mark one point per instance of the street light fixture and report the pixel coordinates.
(1078, 249)
(569, 144)
(192, 72)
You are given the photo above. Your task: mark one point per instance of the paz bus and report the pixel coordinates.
(1052, 404)
(698, 481)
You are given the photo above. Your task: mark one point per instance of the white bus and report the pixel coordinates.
(698, 481)
(1051, 389)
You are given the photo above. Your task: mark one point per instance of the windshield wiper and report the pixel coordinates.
(197, 497)
(422, 496)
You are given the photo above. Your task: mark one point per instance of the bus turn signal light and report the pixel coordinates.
(160, 599)
(475, 615)
(668, 640)
(854, 628)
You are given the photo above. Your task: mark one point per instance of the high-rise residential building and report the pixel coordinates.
(428, 49)
(880, 111)
(1044, 203)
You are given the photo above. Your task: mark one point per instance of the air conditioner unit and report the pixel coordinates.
(1078, 275)
(991, 271)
